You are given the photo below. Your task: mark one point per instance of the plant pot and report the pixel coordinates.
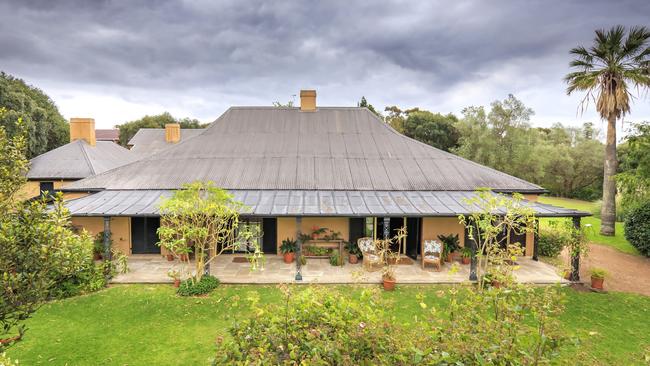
(389, 285)
(496, 284)
(449, 258)
(466, 260)
(353, 259)
(177, 282)
(289, 257)
(597, 283)
(170, 257)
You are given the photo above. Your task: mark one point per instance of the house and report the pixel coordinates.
(112, 135)
(149, 141)
(296, 168)
(82, 157)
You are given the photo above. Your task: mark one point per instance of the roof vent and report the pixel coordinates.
(308, 100)
(83, 129)
(172, 132)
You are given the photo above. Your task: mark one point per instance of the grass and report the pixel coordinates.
(617, 242)
(150, 325)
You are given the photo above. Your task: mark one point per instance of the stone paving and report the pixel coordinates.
(154, 268)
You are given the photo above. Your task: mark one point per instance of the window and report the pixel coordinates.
(46, 187)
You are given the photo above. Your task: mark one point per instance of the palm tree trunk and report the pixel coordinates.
(608, 211)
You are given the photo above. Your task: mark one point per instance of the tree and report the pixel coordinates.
(45, 127)
(202, 219)
(288, 104)
(397, 117)
(606, 73)
(432, 129)
(364, 103)
(129, 129)
(38, 248)
(634, 178)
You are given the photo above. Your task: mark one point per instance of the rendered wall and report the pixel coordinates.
(120, 228)
(287, 226)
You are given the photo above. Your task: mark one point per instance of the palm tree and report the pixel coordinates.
(608, 71)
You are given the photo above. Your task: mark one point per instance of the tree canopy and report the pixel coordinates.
(129, 129)
(45, 127)
(433, 129)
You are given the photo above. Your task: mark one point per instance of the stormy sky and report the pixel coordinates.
(118, 60)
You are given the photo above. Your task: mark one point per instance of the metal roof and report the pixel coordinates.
(152, 140)
(306, 203)
(332, 148)
(78, 159)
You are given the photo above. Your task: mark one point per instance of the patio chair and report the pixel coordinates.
(432, 253)
(370, 257)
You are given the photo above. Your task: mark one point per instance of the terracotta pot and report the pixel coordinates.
(177, 282)
(289, 257)
(467, 260)
(597, 283)
(496, 284)
(353, 259)
(389, 285)
(170, 257)
(450, 258)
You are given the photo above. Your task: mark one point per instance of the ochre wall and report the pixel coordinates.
(287, 226)
(120, 228)
(33, 188)
(434, 226)
(531, 197)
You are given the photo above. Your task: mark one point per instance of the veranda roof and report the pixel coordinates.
(307, 203)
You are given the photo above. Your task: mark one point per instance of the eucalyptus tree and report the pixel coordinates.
(608, 72)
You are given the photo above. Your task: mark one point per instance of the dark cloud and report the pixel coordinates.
(201, 56)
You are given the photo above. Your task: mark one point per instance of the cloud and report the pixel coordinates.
(118, 60)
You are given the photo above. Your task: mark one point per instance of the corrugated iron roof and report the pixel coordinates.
(285, 148)
(306, 203)
(149, 141)
(78, 159)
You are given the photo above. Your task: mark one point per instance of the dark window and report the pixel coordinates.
(47, 187)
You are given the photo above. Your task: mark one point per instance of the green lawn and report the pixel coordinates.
(617, 242)
(150, 325)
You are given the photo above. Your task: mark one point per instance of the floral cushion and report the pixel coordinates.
(366, 245)
(432, 247)
(371, 257)
(432, 256)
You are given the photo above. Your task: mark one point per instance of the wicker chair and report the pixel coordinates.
(432, 253)
(370, 257)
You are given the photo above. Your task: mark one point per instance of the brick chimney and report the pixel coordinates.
(308, 100)
(83, 129)
(172, 132)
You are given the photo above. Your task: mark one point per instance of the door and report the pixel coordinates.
(413, 237)
(144, 235)
(270, 235)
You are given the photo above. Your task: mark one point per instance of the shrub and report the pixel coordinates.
(637, 229)
(192, 287)
(598, 273)
(551, 241)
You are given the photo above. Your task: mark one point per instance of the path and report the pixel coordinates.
(627, 273)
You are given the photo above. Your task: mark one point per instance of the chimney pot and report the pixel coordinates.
(172, 133)
(308, 100)
(83, 129)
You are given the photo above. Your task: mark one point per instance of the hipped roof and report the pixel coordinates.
(78, 159)
(332, 148)
(149, 141)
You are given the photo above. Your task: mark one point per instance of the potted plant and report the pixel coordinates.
(388, 277)
(288, 250)
(170, 256)
(597, 278)
(335, 259)
(451, 245)
(466, 255)
(354, 252)
(491, 280)
(175, 275)
(389, 258)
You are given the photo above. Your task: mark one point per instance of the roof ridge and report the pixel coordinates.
(85, 155)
